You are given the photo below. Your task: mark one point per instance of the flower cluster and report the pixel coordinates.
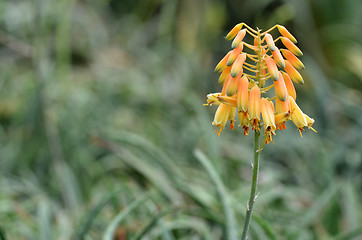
(248, 72)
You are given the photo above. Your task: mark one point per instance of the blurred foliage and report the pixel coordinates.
(103, 133)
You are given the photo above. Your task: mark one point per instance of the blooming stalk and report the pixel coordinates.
(248, 73)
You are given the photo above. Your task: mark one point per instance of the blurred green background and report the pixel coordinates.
(104, 136)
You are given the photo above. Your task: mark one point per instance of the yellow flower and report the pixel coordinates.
(223, 114)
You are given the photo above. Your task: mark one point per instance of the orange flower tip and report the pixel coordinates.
(237, 67)
(234, 31)
(272, 68)
(234, 54)
(239, 38)
(270, 42)
(283, 31)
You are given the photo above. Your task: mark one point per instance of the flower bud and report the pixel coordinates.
(278, 58)
(293, 73)
(291, 46)
(222, 64)
(272, 69)
(283, 31)
(289, 85)
(234, 31)
(234, 54)
(239, 38)
(238, 65)
(292, 59)
(281, 91)
(270, 42)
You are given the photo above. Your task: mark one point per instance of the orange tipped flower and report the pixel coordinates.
(289, 85)
(291, 46)
(232, 85)
(281, 91)
(224, 74)
(222, 64)
(298, 116)
(243, 94)
(278, 58)
(293, 73)
(283, 31)
(238, 65)
(272, 69)
(234, 54)
(238, 39)
(282, 110)
(223, 114)
(254, 107)
(267, 112)
(292, 59)
(268, 119)
(234, 31)
(270, 42)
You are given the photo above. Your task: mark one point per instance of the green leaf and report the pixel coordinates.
(112, 227)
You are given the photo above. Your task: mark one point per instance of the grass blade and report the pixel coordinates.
(224, 197)
(93, 213)
(108, 235)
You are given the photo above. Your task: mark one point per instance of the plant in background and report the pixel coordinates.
(247, 78)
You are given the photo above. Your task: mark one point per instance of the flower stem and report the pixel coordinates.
(254, 186)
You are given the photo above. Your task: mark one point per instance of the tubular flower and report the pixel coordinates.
(246, 75)
(267, 111)
(254, 107)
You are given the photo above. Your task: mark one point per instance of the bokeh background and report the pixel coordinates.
(103, 134)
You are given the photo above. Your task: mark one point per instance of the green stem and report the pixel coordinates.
(254, 186)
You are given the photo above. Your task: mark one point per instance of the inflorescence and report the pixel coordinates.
(247, 77)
